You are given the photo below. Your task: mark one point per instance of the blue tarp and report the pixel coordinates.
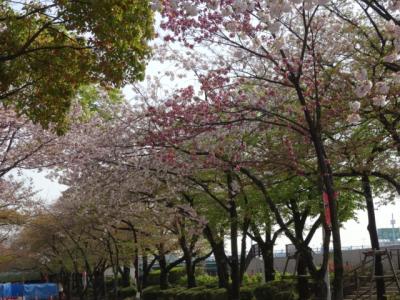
(11, 290)
(29, 291)
(40, 291)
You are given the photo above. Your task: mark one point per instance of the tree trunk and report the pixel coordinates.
(243, 249)
(268, 258)
(145, 272)
(188, 257)
(266, 248)
(325, 170)
(373, 234)
(335, 225)
(136, 266)
(115, 281)
(302, 282)
(126, 276)
(234, 261)
(163, 272)
(68, 288)
(95, 285)
(189, 267)
(222, 265)
(320, 288)
(218, 249)
(80, 287)
(191, 277)
(234, 290)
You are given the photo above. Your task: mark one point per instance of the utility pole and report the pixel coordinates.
(326, 277)
(393, 222)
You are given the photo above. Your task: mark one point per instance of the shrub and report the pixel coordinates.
(154, 293)
(255, 279)
(219, 294)
(246, 293)
(126, 292)
(277, 290)
(287, 295)
(197, 293)
(151, 292)
(202, 293)
(109, 282)
(207, 280)
(154, 277)
(201, 280)
(174, 276)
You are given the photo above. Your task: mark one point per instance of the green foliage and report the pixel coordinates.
(204, 280)
(252, 280)
(49, 49)
(202, 293)
(19, 276)
(109, 282)
(154, 277)
(277, 290)
(175, 276)
(197, 293)
(154, 293)
(125, 292)
(246, 293)
(151, 292)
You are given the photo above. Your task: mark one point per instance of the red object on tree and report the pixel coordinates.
(327, 210)
(325, 198)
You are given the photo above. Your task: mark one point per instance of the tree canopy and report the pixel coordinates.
(49, 49)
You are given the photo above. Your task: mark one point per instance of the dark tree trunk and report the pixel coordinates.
(188, 257)
(335, 224)
(234, 261)
(146, 270)
(189, 266)
(373, 234)
(68, 287)
(191, 277)
(136, 266)
(95, 281)
(325, 170)
(302, 281)
(300, 218)
(243, 249)
(80, 287)
(126, 276)
(266, 248)
(222, 265)
(115, 289)
(234, 290)
(163, 272)
(218, 249)
(268, 258)
(320, 288)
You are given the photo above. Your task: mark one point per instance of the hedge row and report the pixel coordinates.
(174, 276)
(127, 292)
(277, 290)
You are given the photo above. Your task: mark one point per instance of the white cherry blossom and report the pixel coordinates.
(354, 118)
(379, 101)
(363, 88)
(355, 106)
